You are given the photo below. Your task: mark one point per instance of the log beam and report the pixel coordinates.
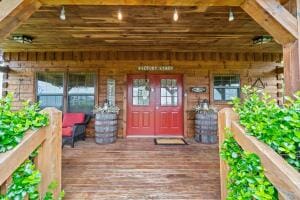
(15, 13)
(145, 2)
(291, 59)
(274, 18)
(291, 68)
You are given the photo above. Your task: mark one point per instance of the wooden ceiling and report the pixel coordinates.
(144, 28)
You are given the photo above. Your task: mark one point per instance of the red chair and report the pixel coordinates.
(73, 127)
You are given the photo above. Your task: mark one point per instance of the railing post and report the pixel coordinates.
(49, 156)
(225, 117)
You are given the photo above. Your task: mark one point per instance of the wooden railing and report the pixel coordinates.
(283, 176)
(48, 160)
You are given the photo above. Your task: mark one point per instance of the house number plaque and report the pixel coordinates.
(111, 92)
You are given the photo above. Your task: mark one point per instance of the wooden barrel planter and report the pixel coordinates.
(106, 128)
(206, 127)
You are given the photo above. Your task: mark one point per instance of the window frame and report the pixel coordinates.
(49, 94)
(138, 96)
(66, 86)
(172, 97)
(223, 101)
(67, 108)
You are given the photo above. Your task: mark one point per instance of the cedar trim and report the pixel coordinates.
(125, 96)
(185, 106)
(131, 55)
(143, 2)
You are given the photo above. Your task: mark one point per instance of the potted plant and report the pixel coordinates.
(206, 123)
(106, 123)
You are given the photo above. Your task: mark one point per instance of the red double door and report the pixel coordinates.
(154, 105)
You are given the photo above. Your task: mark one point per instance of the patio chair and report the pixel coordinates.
(73, 127)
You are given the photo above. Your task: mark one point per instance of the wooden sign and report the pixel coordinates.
(198, 89)
(155, 68)
(111, 92)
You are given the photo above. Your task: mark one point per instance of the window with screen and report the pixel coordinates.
(50, 89)
(81, 92)
(168, 92)
(226, 87)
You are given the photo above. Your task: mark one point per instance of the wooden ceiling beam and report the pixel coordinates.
(7, 6)
(283, 1)
(145, 2)
(274, 18)
(15, 13)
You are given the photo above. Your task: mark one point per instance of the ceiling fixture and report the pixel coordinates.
(263, 39)
(120, 16)
(231, 15)
(24, 39)
(175, 15)
(62, 15)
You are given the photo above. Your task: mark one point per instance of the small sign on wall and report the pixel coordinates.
(155, 68)
(111, 92)
(198, 89)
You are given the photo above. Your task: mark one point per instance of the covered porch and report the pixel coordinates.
(138, 169)
(65, 54)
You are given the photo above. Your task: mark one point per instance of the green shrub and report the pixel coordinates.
(246, 179)
(279, 127)
(13, 124)
(25, 183)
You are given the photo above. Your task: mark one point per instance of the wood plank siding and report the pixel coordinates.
(198, 69)
(136, 169)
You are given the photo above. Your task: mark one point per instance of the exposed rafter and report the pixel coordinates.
(274, 18)
(145, 2)
(15, 12)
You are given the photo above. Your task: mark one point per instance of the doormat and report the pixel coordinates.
(170, 141)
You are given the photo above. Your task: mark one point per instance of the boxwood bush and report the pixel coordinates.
(25, 182)
(13, 124)
(246, 179)
(277, 126)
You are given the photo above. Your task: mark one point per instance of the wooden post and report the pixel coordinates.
(291, 68)
(291, 61)
(225, 117)
(49, 157)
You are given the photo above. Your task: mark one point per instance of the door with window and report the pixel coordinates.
(155, 105)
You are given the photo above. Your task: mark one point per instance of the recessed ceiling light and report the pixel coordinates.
(62, 15)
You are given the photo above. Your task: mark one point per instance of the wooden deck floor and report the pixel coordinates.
(136, 169)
